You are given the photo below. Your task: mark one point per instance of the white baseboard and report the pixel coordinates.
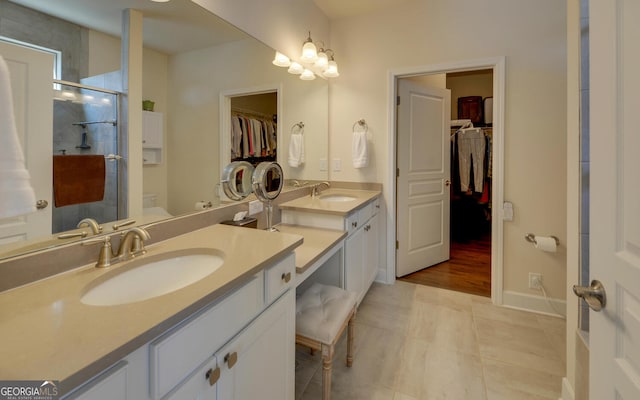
(567, 390)
(538, 304)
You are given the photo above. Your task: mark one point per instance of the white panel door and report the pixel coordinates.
(424, 160)
(615, 198)
(31, 83)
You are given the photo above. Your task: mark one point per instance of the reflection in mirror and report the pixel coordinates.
(185, 68)
(268, 180)
(236, 180)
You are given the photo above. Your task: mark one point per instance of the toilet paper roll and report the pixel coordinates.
(546, 243)
(201, 205)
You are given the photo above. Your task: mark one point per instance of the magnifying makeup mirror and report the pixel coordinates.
(268, 180)
(237, 180)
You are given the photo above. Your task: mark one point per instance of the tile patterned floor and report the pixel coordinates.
(418, 342)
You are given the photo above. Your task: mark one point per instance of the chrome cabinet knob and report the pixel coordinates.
(594, 295)
(286, 277)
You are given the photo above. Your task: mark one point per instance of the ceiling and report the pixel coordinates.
(176, 26)
(336, 9)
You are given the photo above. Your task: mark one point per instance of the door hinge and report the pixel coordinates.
(397, 245)
(397, 100)
(397, 172)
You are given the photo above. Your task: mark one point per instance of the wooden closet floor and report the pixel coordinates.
(468, 269)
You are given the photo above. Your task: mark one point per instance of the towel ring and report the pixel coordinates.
(362, 123)
(300, 126)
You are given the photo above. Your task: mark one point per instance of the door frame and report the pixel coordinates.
(225, 120)
(497, 65)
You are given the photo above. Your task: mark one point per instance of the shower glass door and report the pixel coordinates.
(85, 123)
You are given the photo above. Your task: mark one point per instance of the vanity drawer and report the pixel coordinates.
(176, 354)
(279, 278)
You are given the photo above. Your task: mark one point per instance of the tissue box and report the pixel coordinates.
(245, 223)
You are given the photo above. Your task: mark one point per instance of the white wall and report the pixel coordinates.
(532, 36)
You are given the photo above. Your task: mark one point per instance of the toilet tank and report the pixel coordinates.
(149, 200)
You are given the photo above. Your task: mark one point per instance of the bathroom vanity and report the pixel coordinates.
(208, 337)
(354, 212)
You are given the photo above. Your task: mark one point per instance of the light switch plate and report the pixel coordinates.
(507, 211)
(337, 164)
(255, 207)
(323, 164)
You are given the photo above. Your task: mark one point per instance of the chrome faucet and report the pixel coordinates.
(92, 223)
(132, 243)
(315, 189)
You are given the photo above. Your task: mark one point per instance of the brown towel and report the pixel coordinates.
(78, 179)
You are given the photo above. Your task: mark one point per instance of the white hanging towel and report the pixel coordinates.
(359, 149)
(16, 194)
(296, 149)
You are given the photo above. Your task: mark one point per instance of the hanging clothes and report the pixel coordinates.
(252, 137)
(471, 154)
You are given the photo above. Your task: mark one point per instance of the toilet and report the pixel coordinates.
(149, 206)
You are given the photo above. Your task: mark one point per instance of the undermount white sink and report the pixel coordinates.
(154, 276)
(338, 198)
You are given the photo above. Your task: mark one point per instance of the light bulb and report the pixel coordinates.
(332, 70)
(281, 60)
(322, 62)
(295, 68)
(309, 52)
(307, 75)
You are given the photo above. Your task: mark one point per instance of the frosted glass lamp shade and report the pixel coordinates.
(322, 62)
(307, 75)
(332, 70)
(281, 60)
(309, 52)
(295, 68)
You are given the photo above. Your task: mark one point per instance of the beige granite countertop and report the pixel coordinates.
(316, 243)
(47, 333)
(307, 203)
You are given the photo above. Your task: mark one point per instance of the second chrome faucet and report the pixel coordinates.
(131, 245)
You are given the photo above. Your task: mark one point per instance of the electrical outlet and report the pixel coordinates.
(535, 280)
(255, 207)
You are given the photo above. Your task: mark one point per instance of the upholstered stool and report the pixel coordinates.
(322, 314)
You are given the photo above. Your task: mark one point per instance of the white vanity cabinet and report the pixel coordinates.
(239, 347)
(361, 248)
(361, 244)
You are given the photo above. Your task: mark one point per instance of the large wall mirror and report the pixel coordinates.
(194, 63)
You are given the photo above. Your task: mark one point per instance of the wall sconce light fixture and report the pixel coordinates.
(315, 60)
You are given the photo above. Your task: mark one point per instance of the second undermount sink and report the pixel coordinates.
(338, 198)
(154, 276)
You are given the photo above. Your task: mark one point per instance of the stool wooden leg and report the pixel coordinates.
(327, 364)
(350, 334)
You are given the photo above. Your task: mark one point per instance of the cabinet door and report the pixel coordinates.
(151, 129)
(354, 253)
(259, 362)
(112, 384)
(200, 385)
(370, 268)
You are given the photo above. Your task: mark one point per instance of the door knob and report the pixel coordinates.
(41, 204)
(594, 295)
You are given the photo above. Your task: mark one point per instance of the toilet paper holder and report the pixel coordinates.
(531, 238)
